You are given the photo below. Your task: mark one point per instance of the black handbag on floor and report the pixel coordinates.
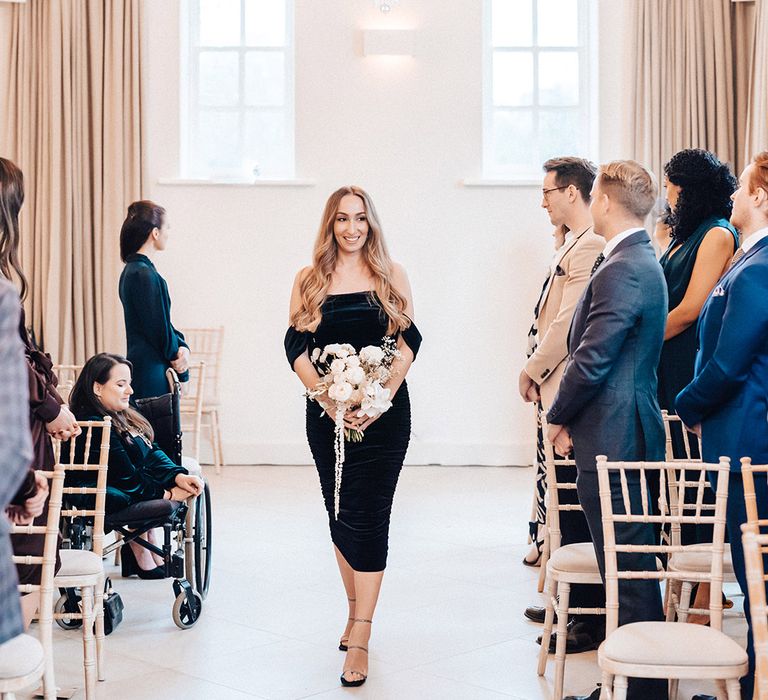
(113, 608)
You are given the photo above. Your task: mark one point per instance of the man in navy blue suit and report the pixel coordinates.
(726, 404)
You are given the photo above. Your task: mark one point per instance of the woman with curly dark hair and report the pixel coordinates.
(702, 243)
(701, 246)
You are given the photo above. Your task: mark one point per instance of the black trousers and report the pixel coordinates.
(639, 600)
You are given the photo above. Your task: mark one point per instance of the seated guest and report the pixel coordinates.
(726, 401)
(606, 402)
(15, 451)
(138, 469)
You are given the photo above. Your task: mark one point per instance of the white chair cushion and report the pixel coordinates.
(20, 656)
(700, 561)
(672, 644)
(78, 562)
(191, 465)
(577, 558)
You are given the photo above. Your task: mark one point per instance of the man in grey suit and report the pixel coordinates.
(15, 450)
(606, 403)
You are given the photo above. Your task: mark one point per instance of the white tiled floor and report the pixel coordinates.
(449, 623)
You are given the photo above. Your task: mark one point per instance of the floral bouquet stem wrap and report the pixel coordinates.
(352, 380)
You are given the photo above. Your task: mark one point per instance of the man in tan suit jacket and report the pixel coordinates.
(566, 197)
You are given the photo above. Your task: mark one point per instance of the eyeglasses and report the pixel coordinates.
(544, 193)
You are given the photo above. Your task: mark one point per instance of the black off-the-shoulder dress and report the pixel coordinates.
(371, 467)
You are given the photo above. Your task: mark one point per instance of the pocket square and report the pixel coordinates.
(718, 291)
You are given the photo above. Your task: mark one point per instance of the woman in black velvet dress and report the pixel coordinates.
(353, 293)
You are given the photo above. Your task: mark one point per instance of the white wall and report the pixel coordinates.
(408, 130)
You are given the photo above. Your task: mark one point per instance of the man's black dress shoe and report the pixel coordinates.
(535, 614)
(581, 637)
(594, 695)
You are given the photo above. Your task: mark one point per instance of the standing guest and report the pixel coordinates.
(726, 401)
(154, 344)
(48, 414)
(15, 451)
(607, 401)
(566, 196)
(699, 189)
(354, 293)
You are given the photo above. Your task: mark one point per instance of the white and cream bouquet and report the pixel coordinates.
(353, 380)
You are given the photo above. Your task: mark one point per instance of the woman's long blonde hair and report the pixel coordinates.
(314, 287)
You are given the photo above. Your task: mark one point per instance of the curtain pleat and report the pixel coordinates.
(74, 128)
(757, 105)
(684, 80)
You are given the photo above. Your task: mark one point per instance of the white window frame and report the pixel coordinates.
(189, 98)
(588, 94)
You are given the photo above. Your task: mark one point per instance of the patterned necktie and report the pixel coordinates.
(738, 255)
(598, 262)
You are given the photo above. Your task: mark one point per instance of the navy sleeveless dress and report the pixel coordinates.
(371, 467)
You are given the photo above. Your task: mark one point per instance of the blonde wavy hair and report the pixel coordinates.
(314, 287)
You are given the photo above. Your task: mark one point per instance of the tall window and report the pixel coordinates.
(536, 85)
(237, 106)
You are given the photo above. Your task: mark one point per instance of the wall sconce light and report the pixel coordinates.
(385, 5)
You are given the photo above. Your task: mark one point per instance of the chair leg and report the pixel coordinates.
(734, 688)
(606, 686)
(685, 601)
(543, 563)
(546, 634)
(215, 429)
(89, 652)
(564, 595)
(100, 636)
(672, 596)
(673, 684)
(620, 688)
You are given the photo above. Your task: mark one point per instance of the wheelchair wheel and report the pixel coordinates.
(186, 609)
(65, 605)
(202, 541)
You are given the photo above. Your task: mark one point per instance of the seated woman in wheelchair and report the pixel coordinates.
(138, 469)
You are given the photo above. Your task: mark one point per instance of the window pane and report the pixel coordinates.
(218, 78)
(216, 145)
(512, 138)
(267, 145)
(219, 22)
(265, 78)
(512, 78)
(559, 78)
(265, 22)
(560, 133)
(558, 22)
(512, 23)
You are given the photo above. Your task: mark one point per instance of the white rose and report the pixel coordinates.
(338, 366)
(355, 375)
(372, 354)
(340, 392)
(315, 354)
(353, 361)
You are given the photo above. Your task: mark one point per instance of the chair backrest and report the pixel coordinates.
(629, 480)
(747, 472)
(48, 563)
(207, 345)
(75, 458)
(67, 376)
(192, 403)
(755, 551)
(673, 425)
(554, 487)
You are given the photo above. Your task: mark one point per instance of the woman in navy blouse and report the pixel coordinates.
(154, 344)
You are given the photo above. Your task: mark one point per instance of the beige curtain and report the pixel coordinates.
(683, 95)
(73, 126)
(756, 138)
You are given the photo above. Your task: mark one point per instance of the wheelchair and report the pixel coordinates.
(187, 526)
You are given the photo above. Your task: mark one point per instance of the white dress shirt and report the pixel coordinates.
(611, 245)
(753, 238)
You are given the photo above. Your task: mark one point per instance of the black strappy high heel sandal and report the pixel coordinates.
(343, 641)
(363, 677)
